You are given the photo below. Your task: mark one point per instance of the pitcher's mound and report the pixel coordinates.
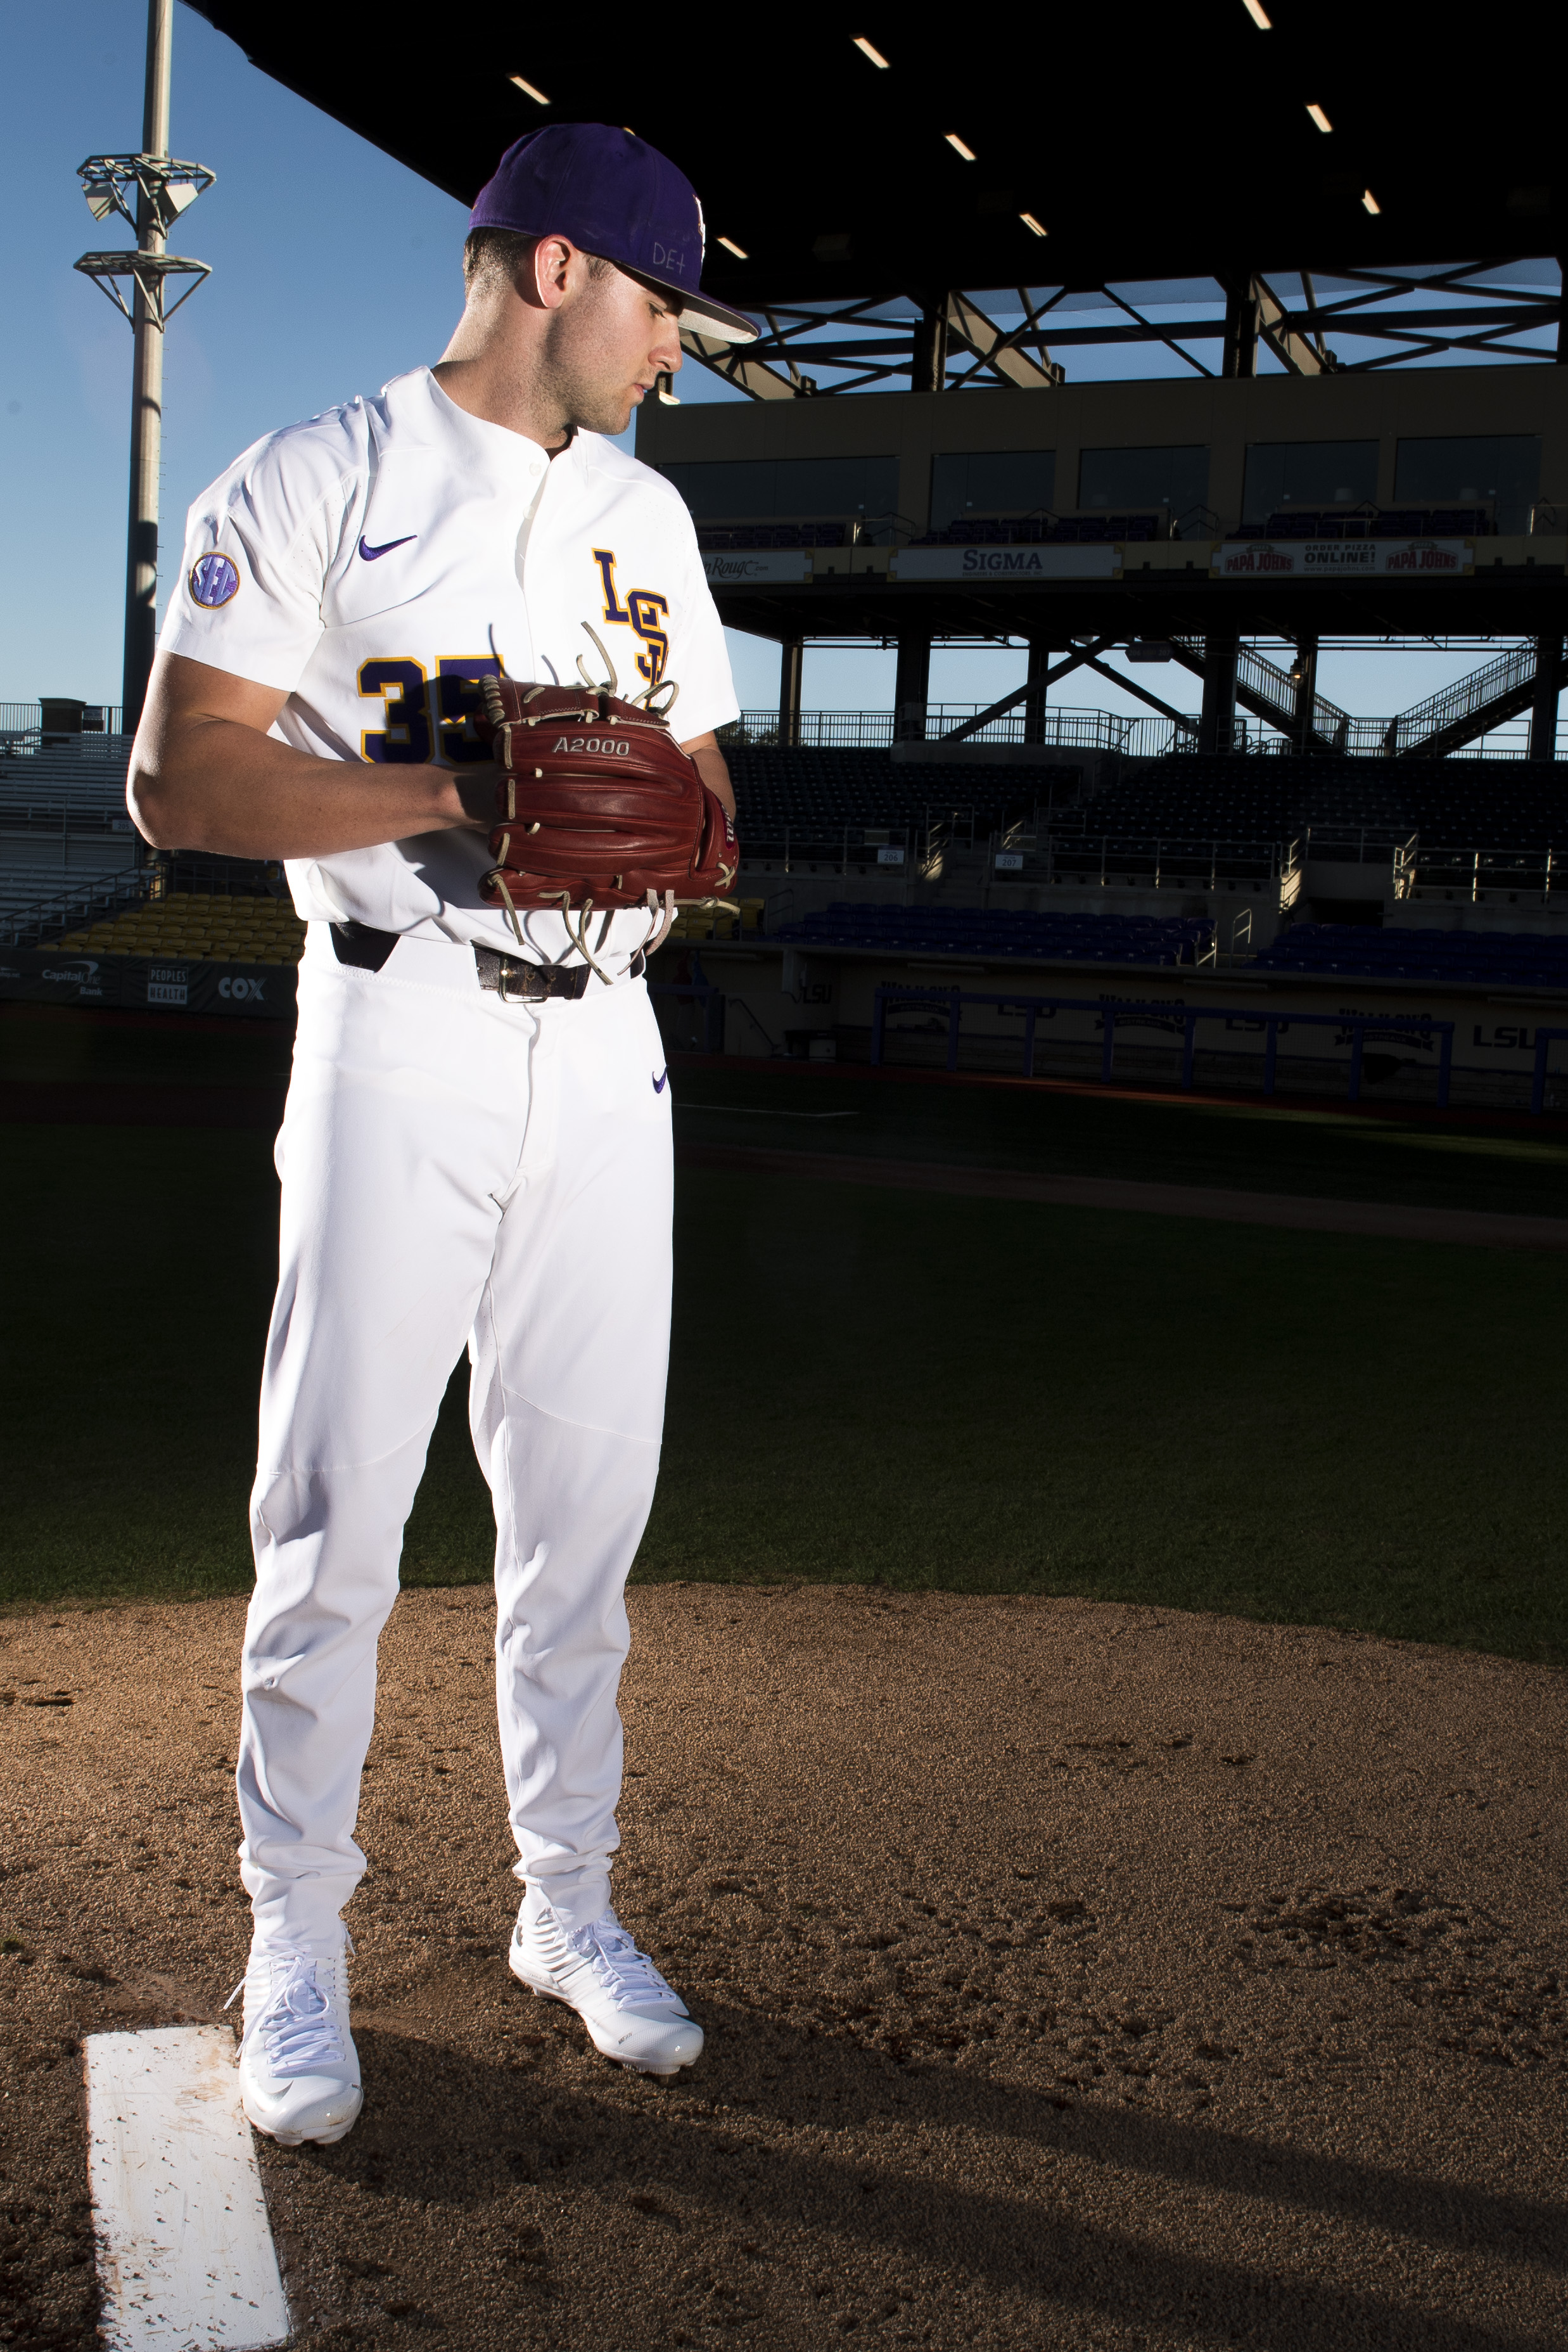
(1073, 1975)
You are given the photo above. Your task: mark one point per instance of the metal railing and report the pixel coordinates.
(1276, 690)
(1108, 731)
(66, 911)
(1171, 1018)
(840, 849)
(1474, 875)
(1144, 861)
(1449, 708)
(1360, 844)
(25, 720)
(872, 731)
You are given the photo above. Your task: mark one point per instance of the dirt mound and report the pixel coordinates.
(1079, 1974)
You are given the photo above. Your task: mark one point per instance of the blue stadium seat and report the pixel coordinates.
(1509, 958)
(994, 932)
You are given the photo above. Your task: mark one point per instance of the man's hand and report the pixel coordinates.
(205, 774)
(711, 768)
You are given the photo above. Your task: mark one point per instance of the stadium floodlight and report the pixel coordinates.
(1319, 117)
(869, 49)
(1264, 23)
(147, 283)
(960, 146)
(1369, 202)
(527, 89)
(158, 186)
(730, 245)
(1030, 221)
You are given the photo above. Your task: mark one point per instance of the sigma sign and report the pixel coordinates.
(1061, 562)
(1344, 559)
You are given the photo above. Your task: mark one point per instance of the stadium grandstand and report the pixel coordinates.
(1310, 398)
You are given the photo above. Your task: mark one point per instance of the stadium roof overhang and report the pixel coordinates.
(1145, 141)
(1143, 604)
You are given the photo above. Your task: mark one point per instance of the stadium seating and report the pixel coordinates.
(1393, 522)
(1482, 803)
(1509, 958)
(826, 789)
(1476, 804)
(718, 923)
(740, 537)
(197, 927)
(995, 932)
(1038, 530)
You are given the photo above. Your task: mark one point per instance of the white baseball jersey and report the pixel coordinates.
(377, 562)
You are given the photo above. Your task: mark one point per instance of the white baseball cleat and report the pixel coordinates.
(299, 2069)
(631, 2013)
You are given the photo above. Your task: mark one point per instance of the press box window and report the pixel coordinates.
(1500, 469)
(1282, 474)
(1134, 480)
(991, 482)
(775, 488)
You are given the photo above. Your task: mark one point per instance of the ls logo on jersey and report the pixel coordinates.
(214, 580)
(641, 612)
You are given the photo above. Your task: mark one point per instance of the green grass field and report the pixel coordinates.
(925, 1391)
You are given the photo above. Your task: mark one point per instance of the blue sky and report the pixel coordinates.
(333, 268)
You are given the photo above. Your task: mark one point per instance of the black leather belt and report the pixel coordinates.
(517, 981)
(515, 978)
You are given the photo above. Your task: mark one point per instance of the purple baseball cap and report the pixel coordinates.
(613, 194)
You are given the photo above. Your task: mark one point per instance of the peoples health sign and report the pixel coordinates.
(1344, 559)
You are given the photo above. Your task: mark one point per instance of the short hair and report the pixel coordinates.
(499, 252)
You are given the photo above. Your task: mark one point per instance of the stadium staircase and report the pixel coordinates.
(1270, 694)
(1445, 722)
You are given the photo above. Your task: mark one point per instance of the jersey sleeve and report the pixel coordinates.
(699, 658)
(258, 547)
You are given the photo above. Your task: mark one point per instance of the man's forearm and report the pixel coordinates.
(276, 802)
(205, 774)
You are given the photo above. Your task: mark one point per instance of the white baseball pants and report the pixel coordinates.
(454, 1167)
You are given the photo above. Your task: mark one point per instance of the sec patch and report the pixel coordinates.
(213, 580)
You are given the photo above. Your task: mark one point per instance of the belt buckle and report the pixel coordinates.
(508, 967)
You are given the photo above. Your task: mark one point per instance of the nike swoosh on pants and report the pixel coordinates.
(659, 1081)
(373, 554)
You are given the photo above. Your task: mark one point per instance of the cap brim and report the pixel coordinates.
(716, 320)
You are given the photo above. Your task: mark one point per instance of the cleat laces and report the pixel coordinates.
(624, 1971)
(298, 2029)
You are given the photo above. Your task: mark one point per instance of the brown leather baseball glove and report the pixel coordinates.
(598, 806)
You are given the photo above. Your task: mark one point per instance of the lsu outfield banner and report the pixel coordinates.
(145, 984)
(1343, 559)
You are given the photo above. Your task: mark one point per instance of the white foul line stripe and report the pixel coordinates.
(184, 2249)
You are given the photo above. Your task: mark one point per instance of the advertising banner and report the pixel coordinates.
(1099, 562)
(1344, 559)
(146, 984)
(760, 563)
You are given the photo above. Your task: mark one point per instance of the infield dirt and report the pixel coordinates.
(1073, 1974)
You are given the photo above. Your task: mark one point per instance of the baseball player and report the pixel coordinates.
(384, 615)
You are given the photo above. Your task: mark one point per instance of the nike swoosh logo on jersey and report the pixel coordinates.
(374, 554)
(660, 1080)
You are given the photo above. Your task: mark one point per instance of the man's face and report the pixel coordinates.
(608, 341)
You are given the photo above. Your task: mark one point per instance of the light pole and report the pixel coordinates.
(162, 188)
